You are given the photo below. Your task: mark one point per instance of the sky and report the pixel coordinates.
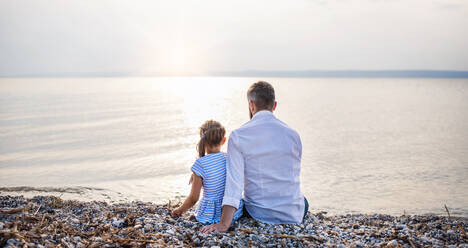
(57, 37)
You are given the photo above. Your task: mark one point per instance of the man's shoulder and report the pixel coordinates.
(252, 125)
(243, 130)
(281, 124)
(287, 127)
(246, 126)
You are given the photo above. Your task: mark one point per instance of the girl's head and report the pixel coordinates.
(211, 135)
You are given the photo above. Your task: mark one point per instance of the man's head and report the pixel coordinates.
(261, 96)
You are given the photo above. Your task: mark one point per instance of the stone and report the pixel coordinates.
(148, 227)
(358, 244)
(401, 227)
(118, 223)
(13, 242)
(425, 239)
(392, 243)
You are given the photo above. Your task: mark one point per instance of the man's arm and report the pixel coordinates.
(234, 187)
(224, 224)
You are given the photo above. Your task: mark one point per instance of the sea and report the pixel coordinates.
(370, 145)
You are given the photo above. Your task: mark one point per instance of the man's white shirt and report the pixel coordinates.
(263, 167)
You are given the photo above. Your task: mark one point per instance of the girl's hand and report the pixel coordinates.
(177, 212)
(197, 183)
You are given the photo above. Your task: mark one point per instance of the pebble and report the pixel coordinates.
(401, 227)
(13, 242)
(146, 221)
(425, 239)
(148, 227)
(118, 223)
(392, 243)
(358, 244)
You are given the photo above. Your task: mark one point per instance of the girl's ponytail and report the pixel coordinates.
(201, 147)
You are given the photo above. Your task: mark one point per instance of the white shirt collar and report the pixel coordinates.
(262, 113)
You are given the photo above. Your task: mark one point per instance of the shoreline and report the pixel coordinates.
(49, 221)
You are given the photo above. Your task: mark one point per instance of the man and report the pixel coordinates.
(264, 159)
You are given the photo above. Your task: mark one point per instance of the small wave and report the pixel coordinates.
(71, 190)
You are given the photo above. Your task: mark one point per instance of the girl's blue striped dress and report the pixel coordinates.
(212, 169)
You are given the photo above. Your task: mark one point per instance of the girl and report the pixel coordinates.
(209, 172)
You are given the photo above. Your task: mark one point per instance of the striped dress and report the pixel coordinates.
(212, 169)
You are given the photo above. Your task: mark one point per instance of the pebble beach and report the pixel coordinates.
(49, 221)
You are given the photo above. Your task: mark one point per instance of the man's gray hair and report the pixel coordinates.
(262, 95)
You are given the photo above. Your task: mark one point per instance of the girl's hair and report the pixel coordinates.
(211, 134)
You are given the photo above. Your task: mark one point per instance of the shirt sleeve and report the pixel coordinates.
(198, 169)
(234, 174)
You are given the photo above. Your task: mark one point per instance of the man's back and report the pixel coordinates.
(266, 154)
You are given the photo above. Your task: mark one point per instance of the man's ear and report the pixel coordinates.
(251, 106)
(274, 106)
(224, 141)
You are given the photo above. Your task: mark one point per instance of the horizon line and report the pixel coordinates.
(265, 73)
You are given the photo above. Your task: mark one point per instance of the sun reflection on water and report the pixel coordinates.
(202, 99)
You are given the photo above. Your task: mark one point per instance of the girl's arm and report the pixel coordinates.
(192, 198)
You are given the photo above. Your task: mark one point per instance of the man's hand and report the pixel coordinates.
(224, 223)
(214, 228)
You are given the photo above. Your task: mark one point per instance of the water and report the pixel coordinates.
(369, 145)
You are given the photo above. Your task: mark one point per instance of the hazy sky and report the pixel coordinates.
(173, 37)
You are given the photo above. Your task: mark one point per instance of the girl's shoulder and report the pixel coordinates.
(224, 154)
(213, 158)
